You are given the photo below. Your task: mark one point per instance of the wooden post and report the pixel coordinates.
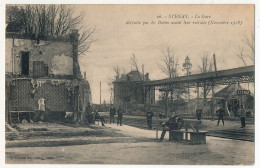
(157, 127)
(215, 62)
(30, 117)
(188, 99)
(78, 109)
(10, 119)
(149, 96)
(166, 111)
(198, 95)
(213, 101)
(18, 117)
(144, 96)
(100, 93)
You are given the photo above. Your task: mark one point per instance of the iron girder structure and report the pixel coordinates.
(223, 77)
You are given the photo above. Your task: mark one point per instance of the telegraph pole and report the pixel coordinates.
(100, 93)
(213, 91)
(215, 63)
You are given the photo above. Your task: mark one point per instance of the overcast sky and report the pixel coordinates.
(116, 40)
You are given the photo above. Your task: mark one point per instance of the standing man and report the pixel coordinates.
(242, 113)
(88, 114)
(112, 114)
(149, 118)
(220, 112)
(41, 108)
(198, 114)
(119, 115)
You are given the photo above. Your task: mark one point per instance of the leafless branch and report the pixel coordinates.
(133, 62)
(169, 64)
(51, 20)
(241, 55)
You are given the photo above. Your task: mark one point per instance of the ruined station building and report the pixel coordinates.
(43, 75)
(129, 90)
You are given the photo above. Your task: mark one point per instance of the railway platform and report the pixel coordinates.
(231, 129)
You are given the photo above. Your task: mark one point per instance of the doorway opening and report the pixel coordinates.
(25, 63)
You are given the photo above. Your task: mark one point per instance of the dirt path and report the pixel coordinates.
(217, 151)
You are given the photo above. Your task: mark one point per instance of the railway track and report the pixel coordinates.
(232, 134)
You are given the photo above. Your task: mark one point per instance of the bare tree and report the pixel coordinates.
(133, 62)
(250, 42)
(187, 66)
(206, 66)
(241, 55)
(248, 51)
(49, 20)
(169, 64)
(117, 71)
(169, 67)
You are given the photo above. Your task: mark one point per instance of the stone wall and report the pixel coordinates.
(57, 55)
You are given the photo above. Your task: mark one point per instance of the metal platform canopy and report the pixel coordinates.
(223, 77)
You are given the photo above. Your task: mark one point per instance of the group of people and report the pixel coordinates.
(113, 111)
(221, 113)
(92, 115)
(175, 122)
(242, 113)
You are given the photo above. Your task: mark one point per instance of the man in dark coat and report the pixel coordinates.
(198, 114)
(88, 114)
(220, 112)
(119, 115)
(242, 114)
(149, 118)
(99, 117)
(174, 123)
(112, 114)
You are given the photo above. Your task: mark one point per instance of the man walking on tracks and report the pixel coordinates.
(119, 115)
(242, 114)
(112, 114)
(220, 112)
(149, 118)
(174, 123)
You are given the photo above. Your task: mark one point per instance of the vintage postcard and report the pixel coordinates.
(130, 84)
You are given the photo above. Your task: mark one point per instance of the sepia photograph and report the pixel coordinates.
(129, 84)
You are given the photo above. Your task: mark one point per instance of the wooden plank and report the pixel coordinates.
(21, 111)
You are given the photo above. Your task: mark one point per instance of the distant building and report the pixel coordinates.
(229, 98)
(129, 90)
(43, 70)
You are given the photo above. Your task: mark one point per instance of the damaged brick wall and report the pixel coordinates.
(57, 55)
(25, 94)
(60, 55)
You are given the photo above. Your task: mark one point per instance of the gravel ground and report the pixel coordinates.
(217, 151)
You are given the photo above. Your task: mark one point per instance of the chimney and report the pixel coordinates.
(147, 77)
(85, 76)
